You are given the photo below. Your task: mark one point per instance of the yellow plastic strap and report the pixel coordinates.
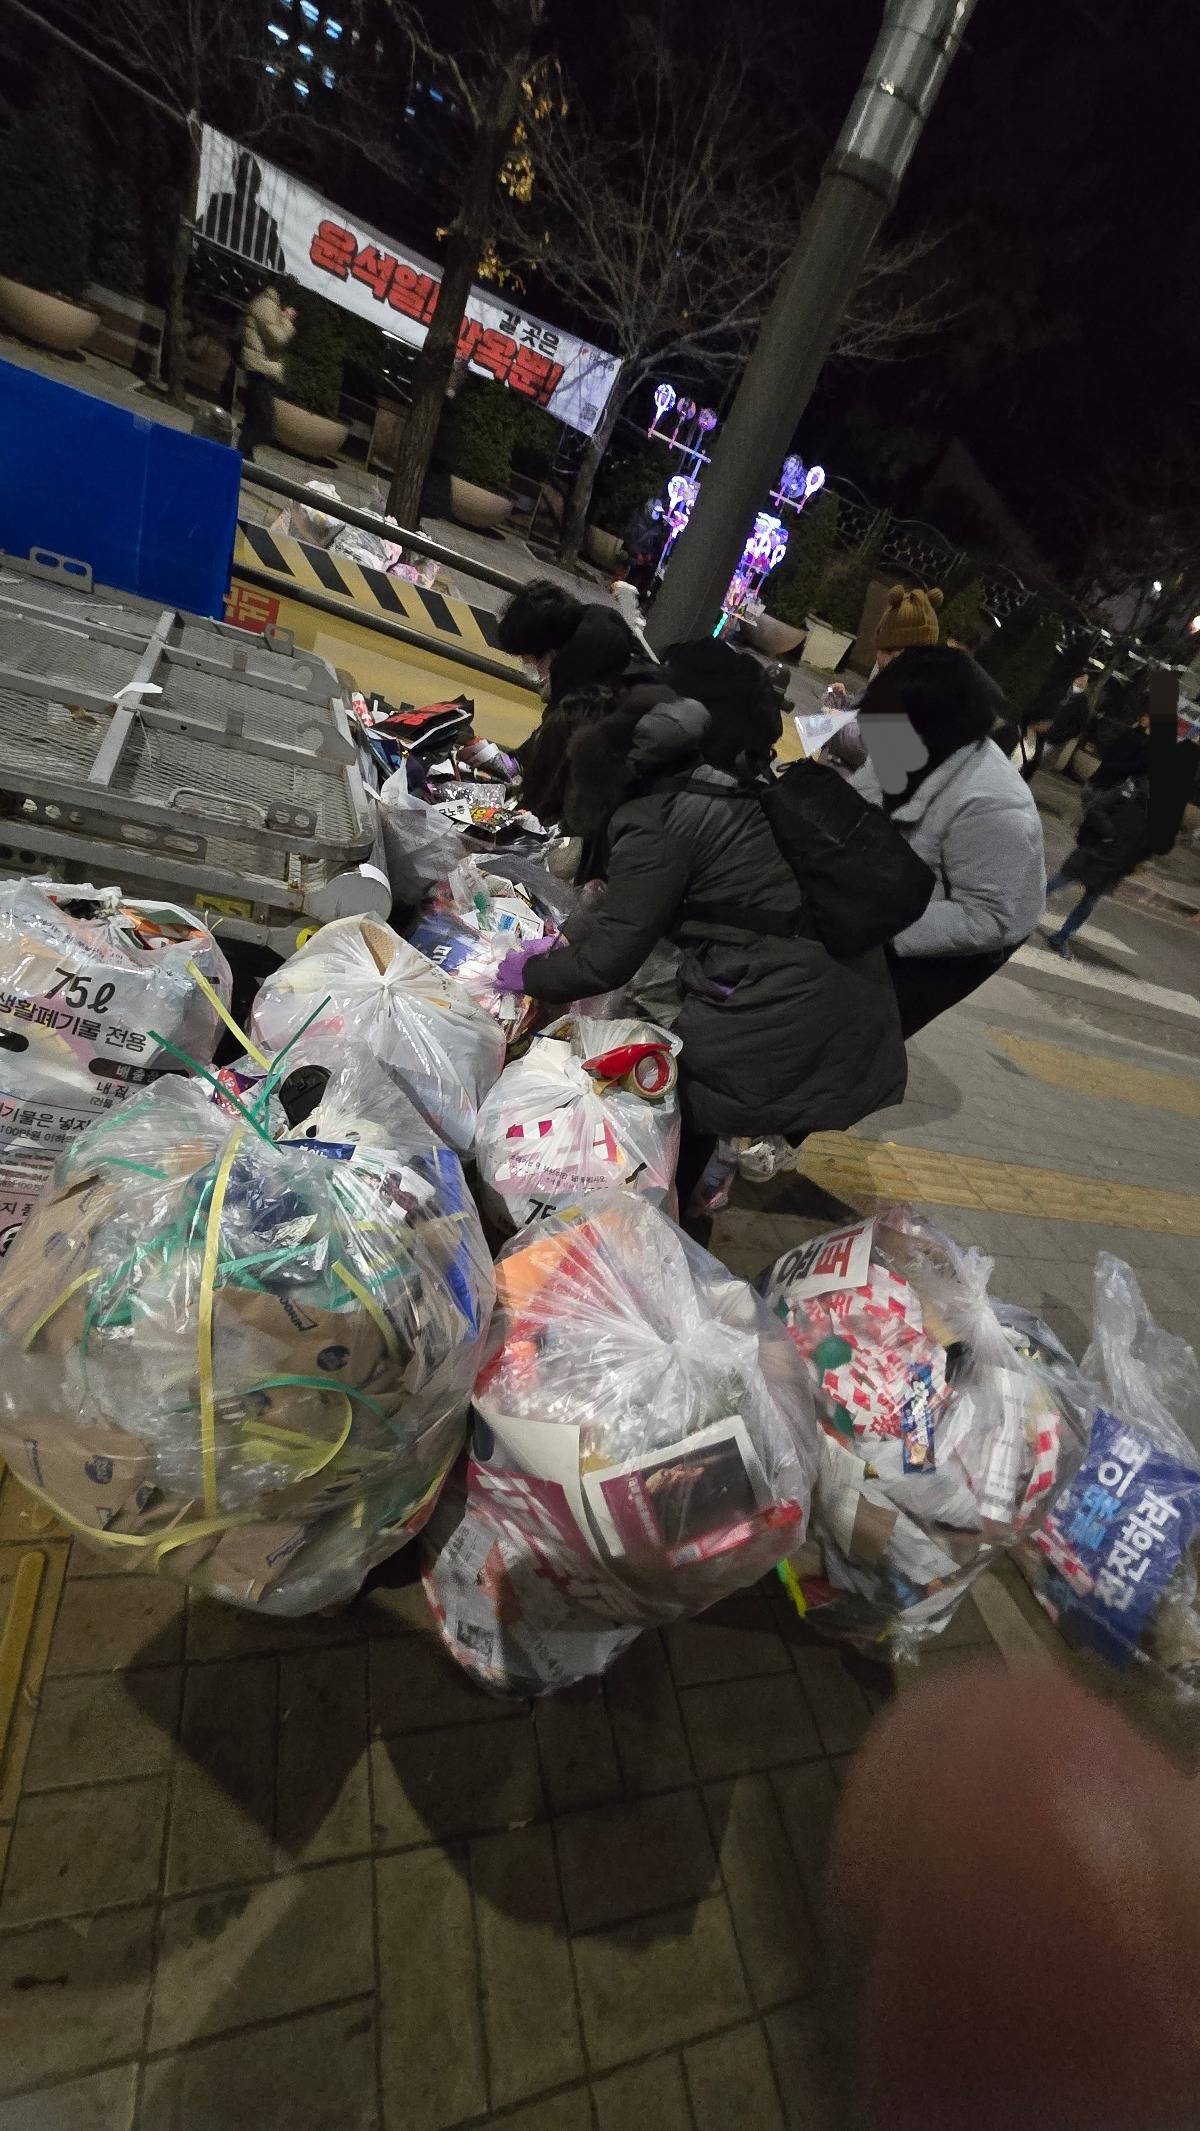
(792, 1585)
(219, 1007)
(58, 1304)
(363, 1294)
(291, 1439)
(208, 1275)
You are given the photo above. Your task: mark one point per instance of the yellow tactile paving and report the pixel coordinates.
(854, 1169)
(1061, 1067)
(32, 1570)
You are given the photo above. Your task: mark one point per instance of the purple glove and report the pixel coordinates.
(510, 977)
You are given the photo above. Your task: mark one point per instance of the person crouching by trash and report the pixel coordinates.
(592, 664)
(1112, 841)
(267, 329)
(779, 1037)
(965, 809)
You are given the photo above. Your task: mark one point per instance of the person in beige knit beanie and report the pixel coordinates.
(910, 617)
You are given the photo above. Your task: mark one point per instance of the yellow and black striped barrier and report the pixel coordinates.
(400, 639)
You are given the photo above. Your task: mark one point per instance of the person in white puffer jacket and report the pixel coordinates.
(925, 720)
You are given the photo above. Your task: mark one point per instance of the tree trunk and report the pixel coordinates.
(431, 375)
(174, 331)
(579, 500)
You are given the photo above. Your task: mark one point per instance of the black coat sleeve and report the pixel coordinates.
(647, 882)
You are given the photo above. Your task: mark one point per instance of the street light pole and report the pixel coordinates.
(858, 188)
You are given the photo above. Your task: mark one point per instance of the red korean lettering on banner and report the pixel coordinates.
(376, 268)
(535, 376)
(494, 351)
(333, 249)
(414, 294)
(247, 608)
(469, 334)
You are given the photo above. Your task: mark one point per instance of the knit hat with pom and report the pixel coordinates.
(908, 618)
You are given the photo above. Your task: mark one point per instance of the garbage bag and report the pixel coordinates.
(591, 1106)
(942, 1443)
(644, 1442)
(1115, 1560)
(372, 993)
(85, 976)
(243, 1362)
(420, 845)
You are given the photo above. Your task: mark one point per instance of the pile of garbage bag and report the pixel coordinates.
(591, 1106)
(357, 988)
(644, 1443)
(1115, 1559)
(244, 1361)
(94, 991)
(942, 1441)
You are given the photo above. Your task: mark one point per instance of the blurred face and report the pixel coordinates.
(895, 747)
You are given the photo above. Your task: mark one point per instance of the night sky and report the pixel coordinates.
(1062, 158)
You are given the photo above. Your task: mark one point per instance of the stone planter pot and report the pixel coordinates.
(776, 640)
(480, 507)
(311, 436)
(824, 647)
(604, 549)
(49, 321)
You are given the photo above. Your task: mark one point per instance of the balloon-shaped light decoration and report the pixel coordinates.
(706, 421)
(664, 400)
(791, 478)
(813, 480)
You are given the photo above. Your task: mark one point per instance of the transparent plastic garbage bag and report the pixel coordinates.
(552, 1131)
(86, 975)
(644, 1443)
(1115, 1562)
(244, 1362)
(942, 1443)
(379, 997)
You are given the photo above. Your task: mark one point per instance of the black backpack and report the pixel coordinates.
(862, 881)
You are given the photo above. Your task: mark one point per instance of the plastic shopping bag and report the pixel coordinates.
(592, 1106)
(420, 845)
(1115, 1562)
(86, 976)
(644, 1443)
(372, 993)
(942, 1443)
(244, 1362)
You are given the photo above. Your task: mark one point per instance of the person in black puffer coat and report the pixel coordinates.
(1113, 839)
(778, 1036)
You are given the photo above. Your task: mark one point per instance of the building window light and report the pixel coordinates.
(301, 87)
(269, 69)
(332, 29)
(328, 77)
(309, 12)
(305, 51)
(276, 30)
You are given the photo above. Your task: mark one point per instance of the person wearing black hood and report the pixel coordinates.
(779, 1036)
(967, 812)
(592, 665)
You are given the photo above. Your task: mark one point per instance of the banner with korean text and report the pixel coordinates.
(254, 209)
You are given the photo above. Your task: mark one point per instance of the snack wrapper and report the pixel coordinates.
(644, 1443)
(243, 1362)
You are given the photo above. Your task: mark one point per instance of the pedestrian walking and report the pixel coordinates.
(926, 720)
(267, 329)
(1126, 756)
(1113, 839)
(780, 1036)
